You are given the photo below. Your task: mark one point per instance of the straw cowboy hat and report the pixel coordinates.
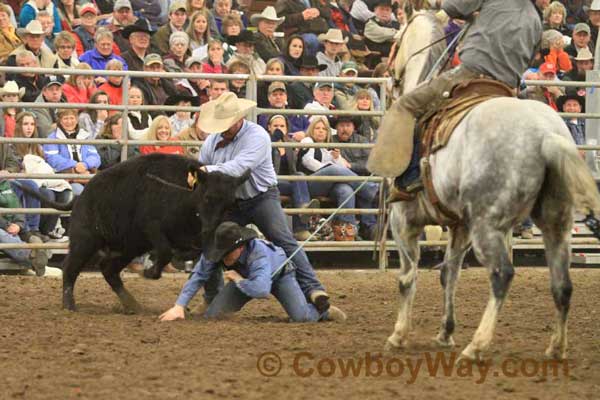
(268, 14)
(32, 28)
(218, 115)
(228, 237)
(584, 55)
(333, 36)
(11, 87)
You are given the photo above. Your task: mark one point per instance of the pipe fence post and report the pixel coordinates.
(125, 119)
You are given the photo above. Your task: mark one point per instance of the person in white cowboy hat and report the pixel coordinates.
(594, 19)
(33, 40)
(239, 146)
(334, 43)
(583, 62)
(10, 93)
(254, 268)
(267, 45)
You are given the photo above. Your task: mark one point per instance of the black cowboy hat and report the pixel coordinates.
(560, 102)
(228, 237)
(374, 3)
(244, 36)
(311, 62)
(346, 118)
(173, 99)
(140, 25)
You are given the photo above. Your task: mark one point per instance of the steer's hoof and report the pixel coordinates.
(151, 273)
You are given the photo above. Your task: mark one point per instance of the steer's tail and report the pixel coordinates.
(46, 201)
(566, 163)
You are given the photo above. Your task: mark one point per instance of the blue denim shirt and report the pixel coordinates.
(257, 264)
(250, 150)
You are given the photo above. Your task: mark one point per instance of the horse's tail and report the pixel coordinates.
(565, 161)
(46, 201)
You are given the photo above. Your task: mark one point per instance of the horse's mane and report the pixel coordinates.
(422, 29)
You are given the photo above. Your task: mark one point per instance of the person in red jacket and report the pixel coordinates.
(214, 63)
(114, 84)
(160, 129)
(79, 88)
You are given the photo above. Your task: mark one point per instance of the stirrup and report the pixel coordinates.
(405, 194)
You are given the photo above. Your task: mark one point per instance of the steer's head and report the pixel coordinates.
(214, 196)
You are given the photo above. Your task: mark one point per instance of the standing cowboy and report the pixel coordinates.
(239, 146)
(498, 45)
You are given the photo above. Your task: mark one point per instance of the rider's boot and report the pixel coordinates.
(407, 185)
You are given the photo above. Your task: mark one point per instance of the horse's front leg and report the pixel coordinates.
(455, 254)
(406, 238)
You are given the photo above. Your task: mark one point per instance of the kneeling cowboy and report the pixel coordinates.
(499, 45)
(254, 269)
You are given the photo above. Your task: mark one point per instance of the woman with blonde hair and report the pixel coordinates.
(160, 129)
(198, 30)
(194, 6)
(80, 88)
(363, 101)
(329, 162)
(555, 17)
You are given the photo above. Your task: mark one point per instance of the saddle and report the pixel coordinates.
(436, 127)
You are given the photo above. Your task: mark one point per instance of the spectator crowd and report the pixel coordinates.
(332, 38)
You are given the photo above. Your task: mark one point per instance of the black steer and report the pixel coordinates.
(156, 202)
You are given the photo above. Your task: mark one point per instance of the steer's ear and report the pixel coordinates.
(195, 176)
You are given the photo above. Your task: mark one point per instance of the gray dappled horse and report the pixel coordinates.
(506, 160)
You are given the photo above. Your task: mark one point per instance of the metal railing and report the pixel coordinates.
(251, 93)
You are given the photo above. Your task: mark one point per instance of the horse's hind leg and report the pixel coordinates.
(490, 247)
(408, 248)
(455, 254)
(110, 270)
(555, 221)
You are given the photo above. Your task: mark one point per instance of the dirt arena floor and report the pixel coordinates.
(47, 353)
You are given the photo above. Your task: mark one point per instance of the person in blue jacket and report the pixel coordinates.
(31, 8)
(254, 268)
(71, 158)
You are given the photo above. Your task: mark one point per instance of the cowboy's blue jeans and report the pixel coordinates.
(266, 213)
(19, 255)
(32, 221)
(285, 289)
(366, 197)
(298, 190)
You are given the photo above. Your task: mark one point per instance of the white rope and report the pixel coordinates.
(301, 245)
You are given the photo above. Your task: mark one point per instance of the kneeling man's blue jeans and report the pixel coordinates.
(285, 289)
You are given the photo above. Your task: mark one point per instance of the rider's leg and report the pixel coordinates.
(391, 154)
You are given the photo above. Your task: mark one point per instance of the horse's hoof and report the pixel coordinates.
(554, 353)
(442, 341)
(391, 346)
(470, 354)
